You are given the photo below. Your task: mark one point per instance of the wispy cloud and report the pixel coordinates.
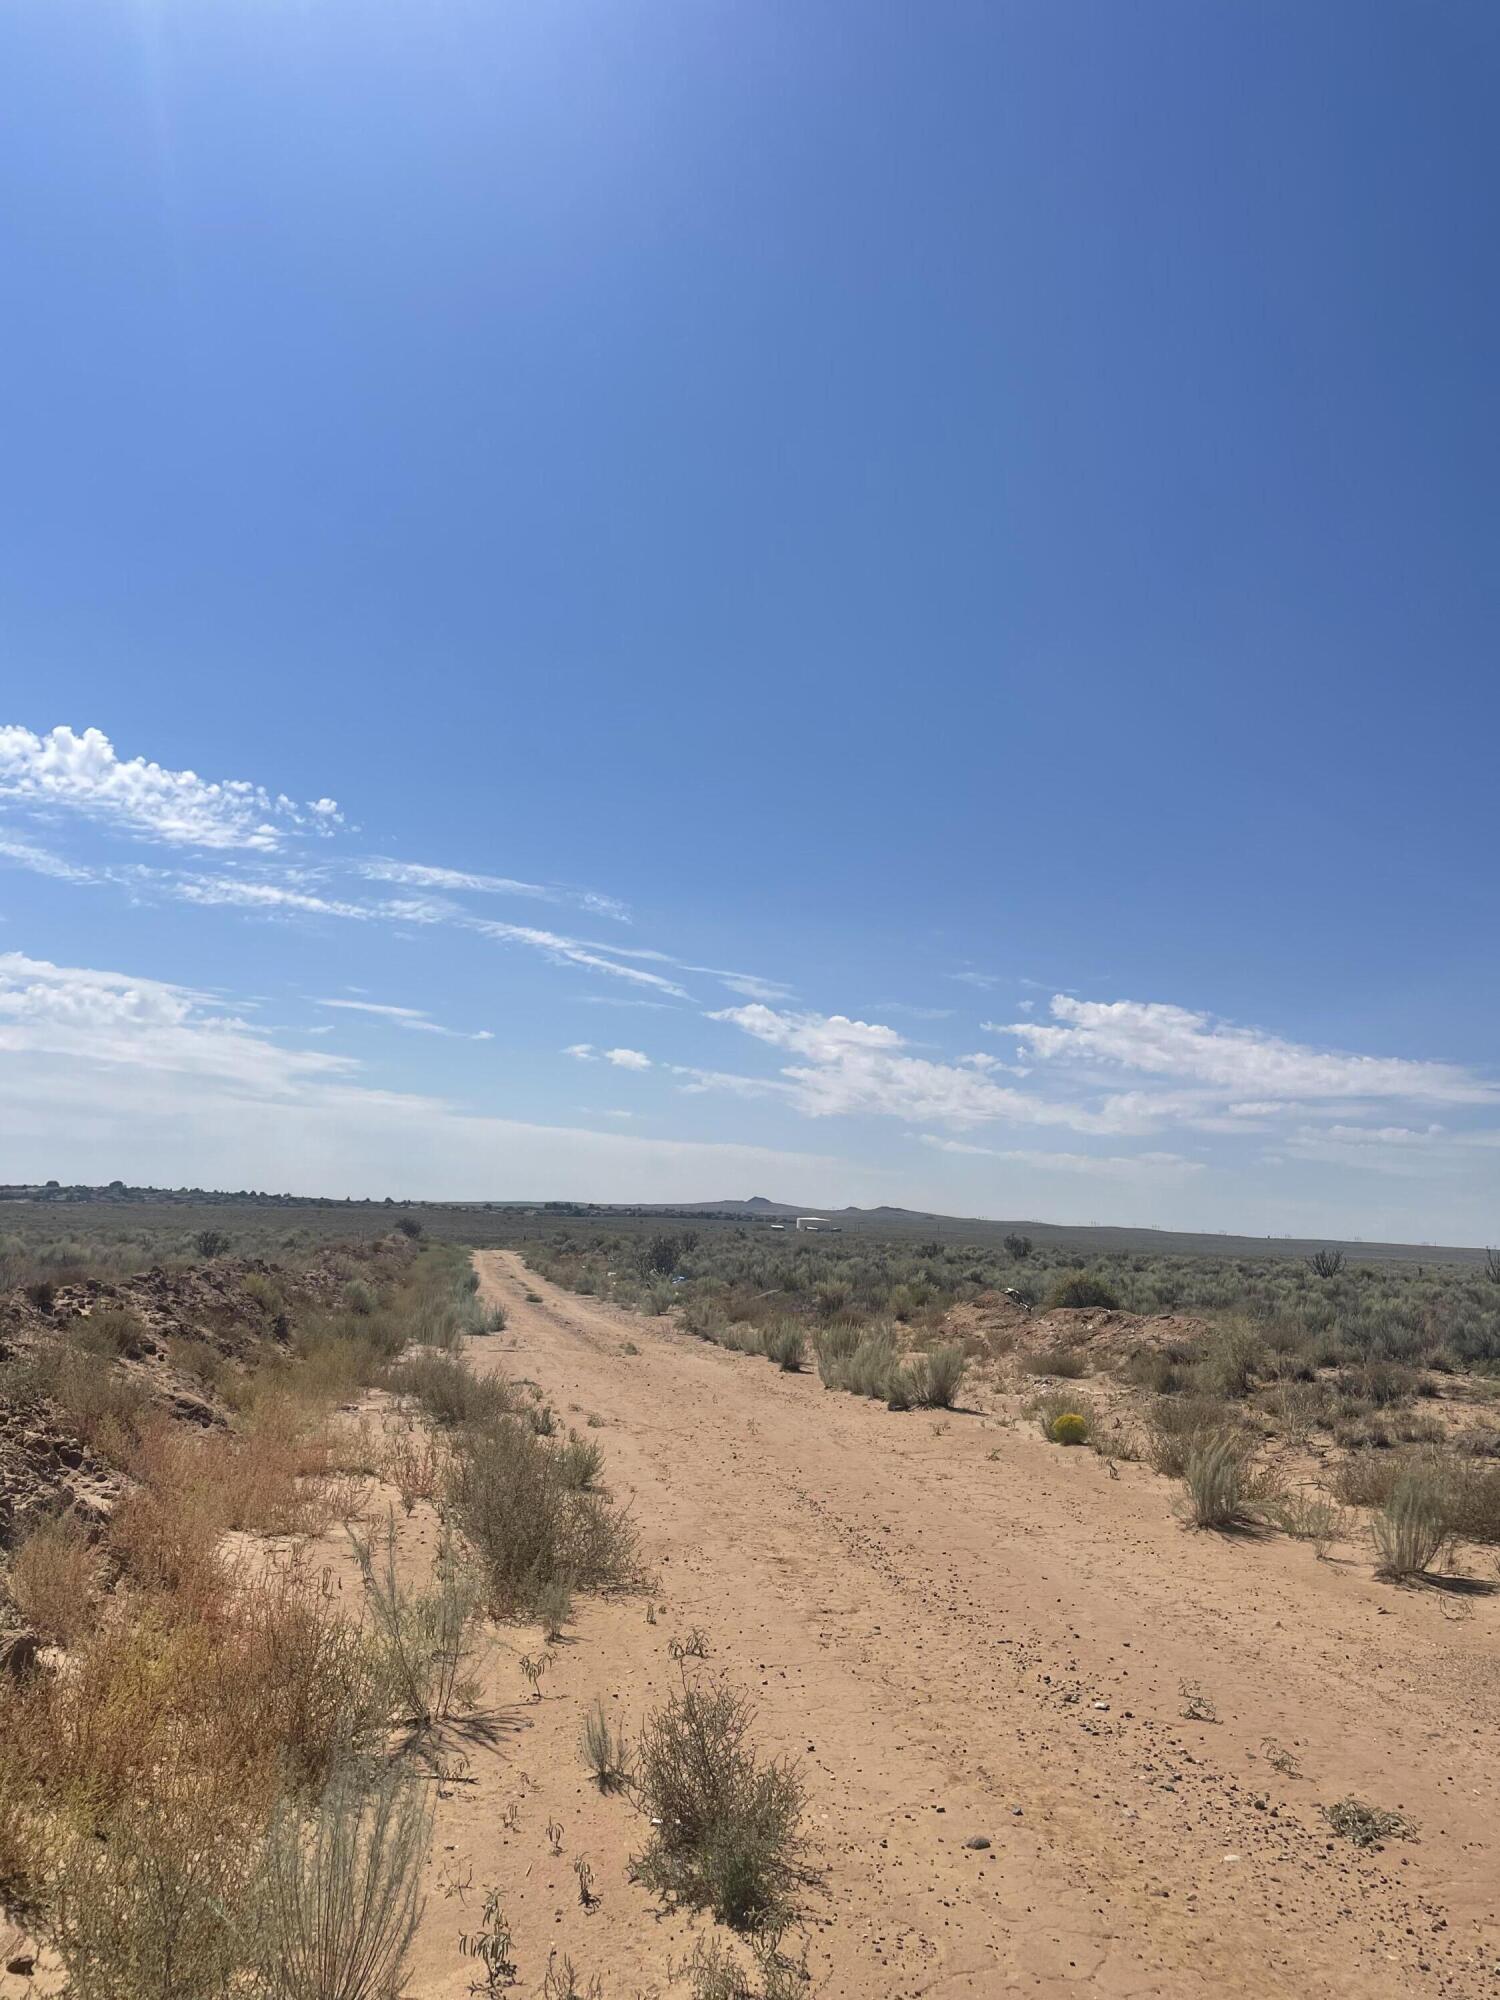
(82, 773)
(419, 875)
(1104, 1166)
(235, 892)
(571, 951)
(414, 1019)
(41, 861)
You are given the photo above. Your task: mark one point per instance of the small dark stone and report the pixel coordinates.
(979, 1840)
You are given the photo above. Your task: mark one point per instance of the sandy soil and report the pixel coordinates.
(966, 1634)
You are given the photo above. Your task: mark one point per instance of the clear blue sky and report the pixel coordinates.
(883, 492)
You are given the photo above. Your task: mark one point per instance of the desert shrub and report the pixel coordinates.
(54, 1580)
(1367, 1477)
(580, 1462)
(1064, 1418)
(420, 1637)
(1176, 1425)
(902, 1386)
(1307, 1515)
(870, 1367)
(149, 1907)
(110, 1333)
(1326, 1263)
(449, 1392)
(100, 1404)
(1018, 1247)
(835, 1346)
(727, 1825)
(338, 1894)
(1080, 1288)
(1066, 1364)
(528, 1526)
(210, 1243)
(1414, 1525)
(412, 1460)
(606, 1751)
(786, 1345)
(1228, 1363)
(939, 1377)
(1224, 1489)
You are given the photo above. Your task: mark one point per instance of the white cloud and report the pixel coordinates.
(414, 1019)
(112, 1018)
(580, 1051)
(1105, 1166)
(26, 854)
(102, 1073)
(627, 1058)
(83, 773)
(987, 981)
(271, 898)
(861, 1066)
(418, 875)
(569, 951)
(1153, 1038)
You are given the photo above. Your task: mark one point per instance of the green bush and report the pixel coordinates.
(1080, 1288)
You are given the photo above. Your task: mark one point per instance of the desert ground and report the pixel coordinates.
(1051, 1737)
(967, 1636)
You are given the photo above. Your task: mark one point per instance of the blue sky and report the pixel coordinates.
(975, 524)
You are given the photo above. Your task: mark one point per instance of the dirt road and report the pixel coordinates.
(969, 1636)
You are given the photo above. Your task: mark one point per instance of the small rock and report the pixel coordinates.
(978, 1840)
(22, 1965)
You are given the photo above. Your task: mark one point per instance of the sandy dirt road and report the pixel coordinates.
(969, 1635)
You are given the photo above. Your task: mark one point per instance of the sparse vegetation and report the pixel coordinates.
(727, 1824)
(1366, 1825)
(1224, 1487)
(606, 1750)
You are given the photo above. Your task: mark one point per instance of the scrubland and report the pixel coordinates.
(692, 1609)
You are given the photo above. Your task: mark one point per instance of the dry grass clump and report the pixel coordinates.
(420, 1638)
(606, 1750)
(1177, 1426)
(1065, 1364)
(413, 1461)
(449, 1393)
(940, 1376)
(54, 1580)
(530, 1528)
(1308, 1515)
(1225, 1489)
(1415, 1524)
(786, 1345)
(727, 1825)
(1366, 1824)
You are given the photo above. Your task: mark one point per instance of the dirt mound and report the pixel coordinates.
(997, 1323)
(158, 1320)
